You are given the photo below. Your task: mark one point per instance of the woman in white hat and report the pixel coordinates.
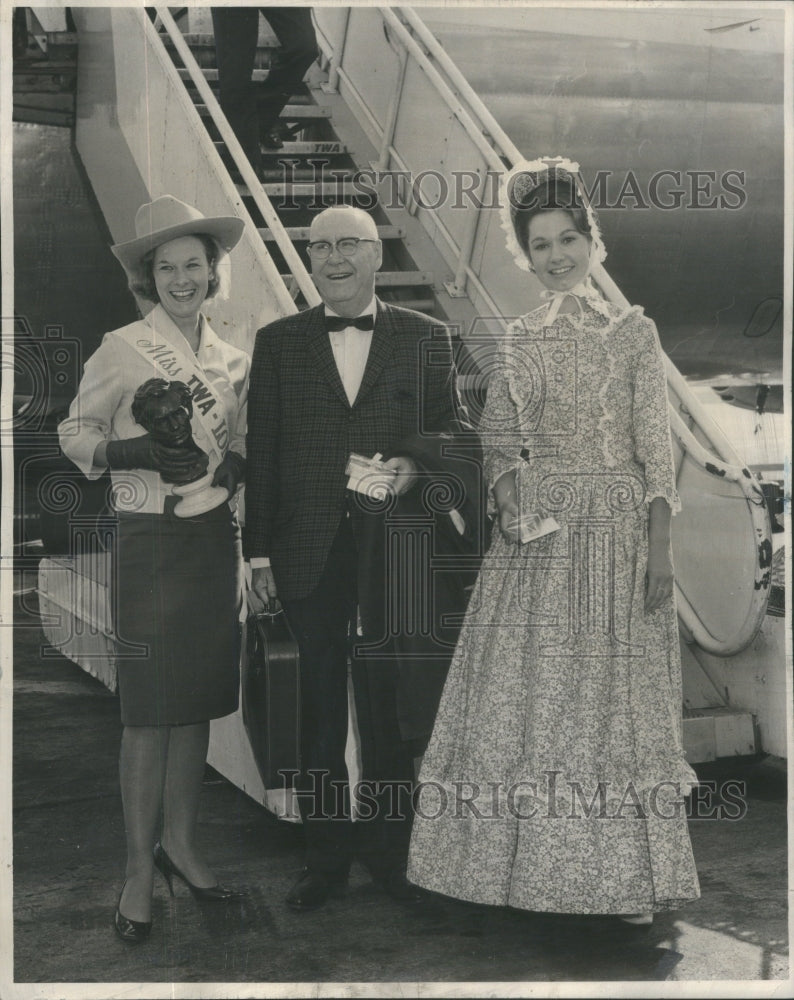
(177, 580)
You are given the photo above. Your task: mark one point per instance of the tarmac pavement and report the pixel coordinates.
(69, 862)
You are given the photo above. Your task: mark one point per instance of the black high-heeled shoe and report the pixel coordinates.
(131, 931)
(213, 893)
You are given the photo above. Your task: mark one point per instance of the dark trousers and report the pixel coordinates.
(245, 103)
(324, 625)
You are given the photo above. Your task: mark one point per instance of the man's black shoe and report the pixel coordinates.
(272, 140)
(271, 136)
(312, 890)
(398, 887)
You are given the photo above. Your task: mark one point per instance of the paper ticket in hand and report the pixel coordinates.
(369, 476)
(532, 526)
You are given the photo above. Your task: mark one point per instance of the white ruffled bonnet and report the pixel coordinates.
(523, 178)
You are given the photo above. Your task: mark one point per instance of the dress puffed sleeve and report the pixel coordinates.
(91, 415)
(651, 423)
(499, 428)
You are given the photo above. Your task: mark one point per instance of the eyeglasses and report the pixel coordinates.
(347, 246)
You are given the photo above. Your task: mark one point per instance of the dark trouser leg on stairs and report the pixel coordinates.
(294, 29)
(236, 30)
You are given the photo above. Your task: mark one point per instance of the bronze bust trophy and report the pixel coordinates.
(164, 410)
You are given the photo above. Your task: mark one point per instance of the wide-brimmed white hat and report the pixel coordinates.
(167, 218)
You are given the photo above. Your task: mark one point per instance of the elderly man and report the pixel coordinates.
(358, 376)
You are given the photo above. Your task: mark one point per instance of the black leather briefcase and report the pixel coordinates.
(271, 698)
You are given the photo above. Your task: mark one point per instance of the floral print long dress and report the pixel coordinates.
(555, 778)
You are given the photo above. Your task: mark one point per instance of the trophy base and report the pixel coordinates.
(199, 497)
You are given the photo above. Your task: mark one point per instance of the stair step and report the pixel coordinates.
(290, 173)
(292, 112)
(403, 279)
(44, 102)
(55, 83)
(206, 40)
(193, 39)
(326, 190)
(300, 234)
(204, 51)
(394, 279)
(298, 98)
(61, 38)
(211, 75)
(45, 67)
(40, 116)
(325, 147)
(419, 305)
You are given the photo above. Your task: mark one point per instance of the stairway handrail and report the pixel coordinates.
(500, 153)
(448, 94)
(247, 172)
(490, 156)
(508, 148)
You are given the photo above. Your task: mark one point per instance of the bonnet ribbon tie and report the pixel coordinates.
(584, 290)
(556, 299)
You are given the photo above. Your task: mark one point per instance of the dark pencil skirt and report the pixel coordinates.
(178, 586)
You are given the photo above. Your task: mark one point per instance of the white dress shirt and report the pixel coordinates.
(350, 348)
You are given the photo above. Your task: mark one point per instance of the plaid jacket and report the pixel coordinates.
(302, 430)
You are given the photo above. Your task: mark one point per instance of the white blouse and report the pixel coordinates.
(101, 411)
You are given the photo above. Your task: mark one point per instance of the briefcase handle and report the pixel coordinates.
(268, 614)
(271, 618)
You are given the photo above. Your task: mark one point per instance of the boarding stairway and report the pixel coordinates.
(311, 171)
(314, 169)
(387, 104)
(45, 67)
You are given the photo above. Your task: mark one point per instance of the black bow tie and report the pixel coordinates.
(335, 323)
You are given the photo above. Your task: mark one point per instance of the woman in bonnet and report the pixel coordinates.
(555, 779)
(177, 580)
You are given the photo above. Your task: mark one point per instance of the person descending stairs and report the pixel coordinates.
(306, 170)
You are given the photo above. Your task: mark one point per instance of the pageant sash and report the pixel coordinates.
(173, 364)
